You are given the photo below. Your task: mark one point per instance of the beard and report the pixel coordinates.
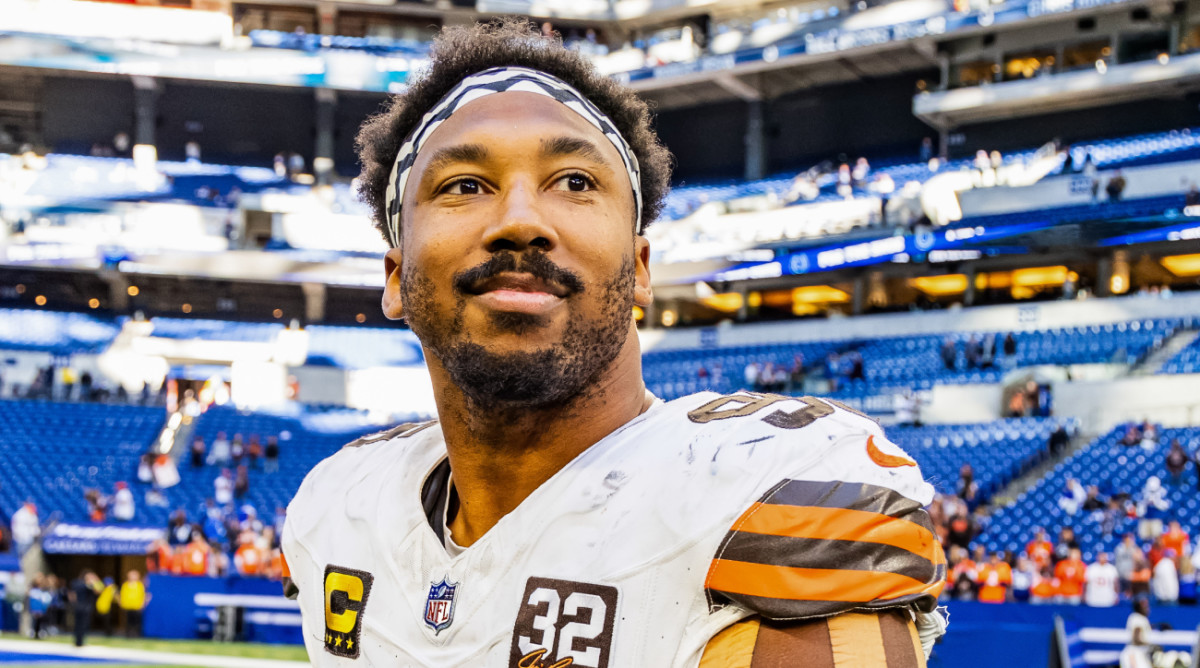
(544, 378)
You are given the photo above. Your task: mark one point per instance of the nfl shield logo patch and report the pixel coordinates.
(439, 607)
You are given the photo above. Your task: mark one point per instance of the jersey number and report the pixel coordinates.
(749, 403)
(563, 623)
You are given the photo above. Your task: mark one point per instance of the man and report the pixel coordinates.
(1137, 653)
(133, 600)
(1103, 584)
(557, 514)
(1070, 575)
(995, 577)
(83, 594)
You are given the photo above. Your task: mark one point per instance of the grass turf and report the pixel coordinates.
(197, 647)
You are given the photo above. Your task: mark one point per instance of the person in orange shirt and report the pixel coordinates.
(248, 559)
(1040, 549)
(1175, 538)
(194, 559)
(1045, 589)
(1070, 573)
(994, 577)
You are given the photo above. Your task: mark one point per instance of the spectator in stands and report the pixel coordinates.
(1177, 460)
(1152, 507)
(220, 453)
(973, 352)
(845, 182)
(949, 354)
(1023, 577)
(1142, 572)
(123, 508)
(833, 370)
(1176, 539)
(1149, 436)
(237, 450)
(1070, 574)
(133, 600)
(1094, 504)
(194, 558)
(1040, 549)
(1115, 187)
(241, 484)
(750, 375)
(25, 527)
(1192, 198)
(1187, 581)
(962, 527)
(1072, 497)
(197, 452)
(83, 594)
(1133, 436)
(1045, 587)
(908, 408)
(97, 504)
(179, 530)
(994, 578)
(962, 574)
(249, 559)
(967, 489)
(1066, 542)
(223, 488)
(254, 451)
(1196, 462)
(271, 455)
(1165, 580)
(1103, 583)
(1059, 439)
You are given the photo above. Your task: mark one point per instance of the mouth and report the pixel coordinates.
(518, 293)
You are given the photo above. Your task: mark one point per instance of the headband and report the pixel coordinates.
(502, 80)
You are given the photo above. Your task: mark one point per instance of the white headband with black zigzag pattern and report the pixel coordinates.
(502, 80)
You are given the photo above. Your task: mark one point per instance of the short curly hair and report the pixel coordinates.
(460, 51)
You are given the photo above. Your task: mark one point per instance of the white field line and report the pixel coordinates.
(142, 655)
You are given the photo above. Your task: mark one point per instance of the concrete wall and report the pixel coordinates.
(1173, 400)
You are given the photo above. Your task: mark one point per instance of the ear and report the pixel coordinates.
(643, 294)
(393, 308)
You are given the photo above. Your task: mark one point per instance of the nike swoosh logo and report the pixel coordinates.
(884, 459)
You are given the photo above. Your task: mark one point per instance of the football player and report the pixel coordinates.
(556, 513)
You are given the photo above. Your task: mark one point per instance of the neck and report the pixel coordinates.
(498, 460)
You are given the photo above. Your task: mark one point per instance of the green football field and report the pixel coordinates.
(197, 648)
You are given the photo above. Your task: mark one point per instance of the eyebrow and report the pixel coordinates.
(461, 153)
(566, 146)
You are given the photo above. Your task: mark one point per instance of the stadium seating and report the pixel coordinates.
(1184, 361)
(55, 450)
(997, 451)
(55, 332)
(896, 363)
(361, 347)
(1112, 467)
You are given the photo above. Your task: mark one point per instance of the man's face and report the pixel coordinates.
(518, 266)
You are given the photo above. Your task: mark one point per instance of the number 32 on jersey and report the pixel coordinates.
(563, 623)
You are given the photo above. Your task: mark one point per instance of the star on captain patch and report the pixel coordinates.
(439, 605)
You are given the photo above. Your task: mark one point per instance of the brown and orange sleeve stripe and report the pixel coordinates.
(813, 549)
(887, 639)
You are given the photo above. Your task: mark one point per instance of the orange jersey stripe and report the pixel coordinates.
(813, 584)
(286, 572)
(837, 524)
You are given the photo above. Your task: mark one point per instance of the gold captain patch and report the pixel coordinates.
(346, 592)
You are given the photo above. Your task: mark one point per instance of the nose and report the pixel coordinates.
(520, 223)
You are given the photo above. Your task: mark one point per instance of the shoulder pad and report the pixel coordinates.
(839, 531)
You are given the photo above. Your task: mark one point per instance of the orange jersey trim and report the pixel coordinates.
(837, 524)
(813, 584)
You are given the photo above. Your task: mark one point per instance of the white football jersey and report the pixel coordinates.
(688, 518)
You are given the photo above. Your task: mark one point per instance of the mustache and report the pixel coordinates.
(534, 263)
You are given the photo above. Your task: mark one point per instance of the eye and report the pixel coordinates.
(575, 183)
(463, 187)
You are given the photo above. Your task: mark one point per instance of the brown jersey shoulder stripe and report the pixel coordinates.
(846, 496)
(826, 553)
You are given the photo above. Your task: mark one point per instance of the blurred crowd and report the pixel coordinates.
(223, 540)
